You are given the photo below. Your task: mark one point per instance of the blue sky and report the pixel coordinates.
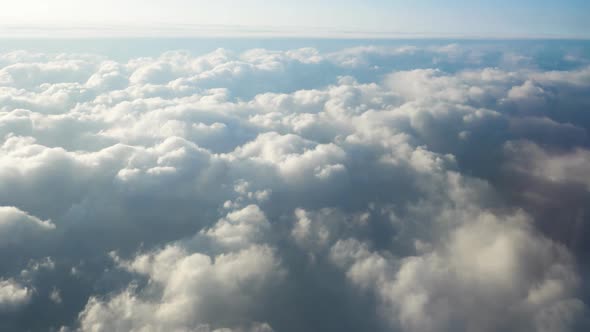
(501, 18)
(294, 184)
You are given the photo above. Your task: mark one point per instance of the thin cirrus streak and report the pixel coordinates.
(386, 185)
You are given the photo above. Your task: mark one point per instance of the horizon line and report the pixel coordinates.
(122, 31)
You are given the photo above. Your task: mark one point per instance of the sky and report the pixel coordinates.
(462, 18)
(355, 182)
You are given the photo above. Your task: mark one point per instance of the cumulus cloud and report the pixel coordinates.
(17, 226)
(13, 295)
(561, 167)
(513, 279)
(241, 227)
(413, 188)
(190, 289)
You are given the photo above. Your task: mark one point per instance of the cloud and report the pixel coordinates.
(425, 187)
(17, 226)
(13, 295)
(565, 167)
(496, 262)
(240, 227)
(194, 289)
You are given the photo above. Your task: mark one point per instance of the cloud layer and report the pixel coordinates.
(415, 188)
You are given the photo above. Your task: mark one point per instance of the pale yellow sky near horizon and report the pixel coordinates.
(427, 17)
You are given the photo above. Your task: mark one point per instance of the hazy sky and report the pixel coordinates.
(496, 19)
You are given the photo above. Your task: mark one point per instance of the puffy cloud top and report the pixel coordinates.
(13, 295)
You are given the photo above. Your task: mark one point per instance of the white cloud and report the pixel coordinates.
(566, 167)
(13, 295)
(488, 274)
(17, 226)
(187, 291)
(240, 228)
